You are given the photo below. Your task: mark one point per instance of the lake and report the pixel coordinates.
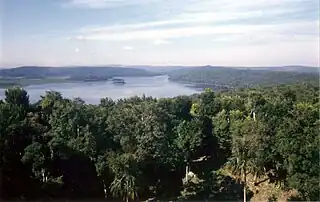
(91, 92)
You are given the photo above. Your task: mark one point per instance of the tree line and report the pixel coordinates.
(222, 77)
(143, 148)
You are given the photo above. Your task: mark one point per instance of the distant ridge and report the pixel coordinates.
(289, 68)
(77, 71)
(245, 77)
(132, 70)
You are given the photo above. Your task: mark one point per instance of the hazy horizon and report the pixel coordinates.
(160, 66)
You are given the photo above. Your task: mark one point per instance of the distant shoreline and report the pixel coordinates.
(24, 82)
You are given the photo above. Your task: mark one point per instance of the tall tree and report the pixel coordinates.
(17, 96)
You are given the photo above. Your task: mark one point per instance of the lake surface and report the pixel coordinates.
(91, 92)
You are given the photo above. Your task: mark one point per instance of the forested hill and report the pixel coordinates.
(139, 148)
(83, 71)
(289, 68)
(239, 77)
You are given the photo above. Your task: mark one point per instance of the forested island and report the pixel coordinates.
(256, 144)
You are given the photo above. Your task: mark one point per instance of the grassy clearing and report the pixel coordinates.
(265, 191)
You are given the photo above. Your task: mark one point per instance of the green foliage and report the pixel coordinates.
(125, 169)
(17, 96)
(138, 148)
(225, 78)
(190, 138)
(300, 149)
(36, 155)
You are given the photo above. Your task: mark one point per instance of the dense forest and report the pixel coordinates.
(241, 77)
(202, 147)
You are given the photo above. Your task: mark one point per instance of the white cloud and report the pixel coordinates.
(127, 48)
(187, 5)
(198, 18)
(209, 18)
(98, 4)
(160, 42)
(128, 34)
(241, 6)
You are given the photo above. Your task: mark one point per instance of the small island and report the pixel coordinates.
(118, 81)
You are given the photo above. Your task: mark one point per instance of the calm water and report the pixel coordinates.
(158, 87)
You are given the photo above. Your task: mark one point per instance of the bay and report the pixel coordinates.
(92, 92)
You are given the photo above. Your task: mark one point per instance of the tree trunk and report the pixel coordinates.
(244, 186)
(244, 194)
(255, 178)
(104, 189)
(187, 171)
(44, 175)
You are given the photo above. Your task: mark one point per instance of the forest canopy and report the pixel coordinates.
(166, 149)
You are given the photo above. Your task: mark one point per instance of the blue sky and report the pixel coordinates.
(159, 32)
